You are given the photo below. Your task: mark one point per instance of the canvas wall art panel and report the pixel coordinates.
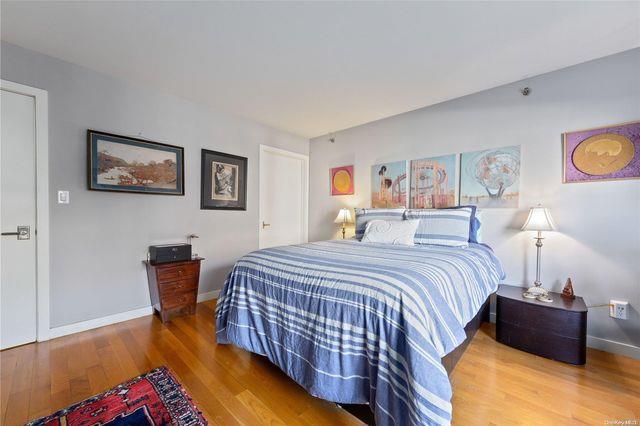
(223, 181)
(126, 164)
(433, 182)
(389, 185)
(342, 180)
(490, 178)
(604, 153)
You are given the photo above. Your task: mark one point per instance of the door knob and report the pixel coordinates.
(265, 225)
(23, 233)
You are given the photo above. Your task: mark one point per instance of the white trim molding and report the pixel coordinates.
(613, 346)
(203, 297)
(78, 327)
(41, 99)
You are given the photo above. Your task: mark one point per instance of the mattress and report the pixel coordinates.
(356, 323)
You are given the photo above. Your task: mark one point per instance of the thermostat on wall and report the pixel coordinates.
(63, 197)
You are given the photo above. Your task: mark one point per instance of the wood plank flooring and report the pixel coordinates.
(493, 384)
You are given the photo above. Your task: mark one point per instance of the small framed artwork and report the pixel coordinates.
(126, 164)
(341, 180)
(602, 154)
(223, 184)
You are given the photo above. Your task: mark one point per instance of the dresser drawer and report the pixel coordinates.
(532, 317)
(173, 287)
(173, 273)
(541, 343)
(178, 300)
(168, 289)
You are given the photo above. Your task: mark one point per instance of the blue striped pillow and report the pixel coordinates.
(363, 216)
(442, 227)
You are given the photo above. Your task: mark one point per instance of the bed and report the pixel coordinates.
(361, 323)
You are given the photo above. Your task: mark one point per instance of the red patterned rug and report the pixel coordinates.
(155, 398)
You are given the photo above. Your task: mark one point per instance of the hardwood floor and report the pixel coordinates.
(493, 384)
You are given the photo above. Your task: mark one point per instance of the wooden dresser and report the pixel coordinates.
(174, 287)
(556, 330)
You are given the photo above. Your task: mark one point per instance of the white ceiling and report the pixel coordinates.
(315, 67)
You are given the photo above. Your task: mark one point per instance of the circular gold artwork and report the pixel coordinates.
(603, 154)
(342, 181)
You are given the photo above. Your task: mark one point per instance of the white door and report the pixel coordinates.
(283, 197)
(18, 215)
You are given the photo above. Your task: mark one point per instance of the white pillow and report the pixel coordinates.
(390, 232)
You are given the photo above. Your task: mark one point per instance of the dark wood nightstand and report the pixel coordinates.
(556, 330)
(173, 287)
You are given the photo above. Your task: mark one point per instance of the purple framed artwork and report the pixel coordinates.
(604, 153)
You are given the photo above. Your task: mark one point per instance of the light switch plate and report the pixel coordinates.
(63, 197)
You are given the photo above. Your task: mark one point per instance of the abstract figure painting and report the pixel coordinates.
(490, 178)
(125, 164)
(605, 153)
(341, 180)
(223, 181)
(389, 185)
(433, 182)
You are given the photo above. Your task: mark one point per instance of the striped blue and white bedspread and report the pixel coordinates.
(356, 322)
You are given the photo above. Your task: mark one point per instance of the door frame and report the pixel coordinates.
(305, 187)
(42, 201)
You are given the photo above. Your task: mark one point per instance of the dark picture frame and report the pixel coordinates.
(118, 163)
(223, 181)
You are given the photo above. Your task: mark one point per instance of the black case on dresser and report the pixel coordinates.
(556, 330)
(169, 253)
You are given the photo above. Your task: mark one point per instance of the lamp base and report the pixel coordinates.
(537, 292)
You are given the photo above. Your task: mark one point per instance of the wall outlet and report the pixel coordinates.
(619, 309)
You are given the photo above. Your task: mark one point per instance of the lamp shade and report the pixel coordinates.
(539, 220)
(344, 216)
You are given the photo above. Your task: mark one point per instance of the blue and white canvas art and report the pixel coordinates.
(490, 178)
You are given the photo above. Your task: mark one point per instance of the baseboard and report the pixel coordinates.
(203, 297)
(603, 344)
(614, 347)
(78, 327)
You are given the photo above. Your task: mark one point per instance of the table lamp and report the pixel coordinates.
(539, 220)
(344, 217)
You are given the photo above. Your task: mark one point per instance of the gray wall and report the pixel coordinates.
(99, 240)
(598, 243)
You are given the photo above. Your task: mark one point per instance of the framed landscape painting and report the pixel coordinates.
(433, 182)
(490, 178)
(603, 153)
(223, 184)
(389, 185)
(125, 164)
(341, 180)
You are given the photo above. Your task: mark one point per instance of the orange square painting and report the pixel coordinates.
(342, 180)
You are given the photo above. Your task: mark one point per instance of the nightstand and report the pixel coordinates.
(173, 287)
(555, 330)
